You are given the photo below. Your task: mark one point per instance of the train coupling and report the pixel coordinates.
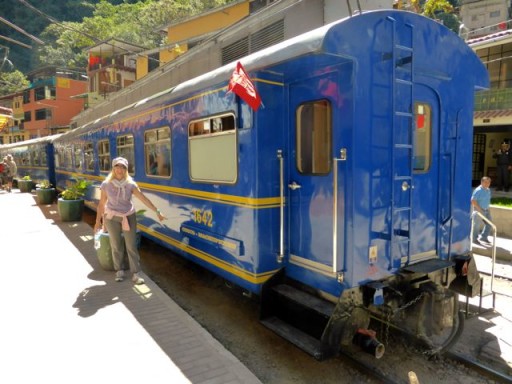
(365, 338)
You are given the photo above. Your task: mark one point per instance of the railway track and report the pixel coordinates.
(479, 367)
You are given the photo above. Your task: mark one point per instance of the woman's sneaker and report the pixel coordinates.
(120, 275)
(137, 279)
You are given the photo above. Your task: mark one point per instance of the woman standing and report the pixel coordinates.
(116, 213)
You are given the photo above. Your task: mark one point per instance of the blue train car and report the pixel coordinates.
(344, 198)
(33, 158)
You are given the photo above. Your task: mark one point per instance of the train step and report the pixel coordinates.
(297, 316)
(301, 339)
(319, 305)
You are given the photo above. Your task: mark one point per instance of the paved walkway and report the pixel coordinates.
(64, 320)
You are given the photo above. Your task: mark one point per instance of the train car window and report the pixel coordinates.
(68, 156)
(125, 148)
(104, 155)
(157, 152)
(59, 156)
(24, 158)
(314, 147)
(35, 156)
(43, 157)
(213, 153)
(89, 156)
(422, 137)
(78, 154)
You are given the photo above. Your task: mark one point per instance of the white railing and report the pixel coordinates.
(493, 253)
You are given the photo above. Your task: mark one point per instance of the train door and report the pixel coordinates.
(312, 231)
(425, 192)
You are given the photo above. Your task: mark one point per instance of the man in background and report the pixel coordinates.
(481, 201)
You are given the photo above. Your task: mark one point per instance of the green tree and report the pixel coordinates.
(33, 17)
(136, 22)
(441, 10)
(12, 82)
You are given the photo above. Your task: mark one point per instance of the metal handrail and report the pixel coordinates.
(280, 256)
(493, 254)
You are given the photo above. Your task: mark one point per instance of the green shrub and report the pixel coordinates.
(502, 201)
(76, 190)
(45, 184)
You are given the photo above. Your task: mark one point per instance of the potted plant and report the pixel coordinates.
(25, 184)
(71, 203)
(45, 193)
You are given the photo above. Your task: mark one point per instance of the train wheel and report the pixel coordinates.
(437, 344)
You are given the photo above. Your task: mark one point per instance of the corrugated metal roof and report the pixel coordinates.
(493, 113)
(488, 38)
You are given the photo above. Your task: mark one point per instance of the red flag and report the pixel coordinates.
(241, 85)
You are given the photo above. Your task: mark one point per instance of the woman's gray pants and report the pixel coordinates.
(120, 239)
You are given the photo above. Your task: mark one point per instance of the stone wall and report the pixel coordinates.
(502, 219)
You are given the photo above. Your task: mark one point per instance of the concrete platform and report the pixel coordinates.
(488, 327)
(65, 320)
(503, 248)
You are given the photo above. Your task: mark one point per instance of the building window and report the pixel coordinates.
(153, 61)
(125, 148)
(26, 96)
(157, 152)
(498, 66)
(27, 116)
(422, 137)
(45, 93)
(213, 155)
(314, 147)
(43, 114)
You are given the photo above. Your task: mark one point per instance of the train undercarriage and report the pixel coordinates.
(417, 302)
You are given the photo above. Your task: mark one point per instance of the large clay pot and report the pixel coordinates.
(45, 195)
(70, 210)
(25, 185)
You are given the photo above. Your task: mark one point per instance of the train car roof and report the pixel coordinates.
(274, 57)
(37, 140)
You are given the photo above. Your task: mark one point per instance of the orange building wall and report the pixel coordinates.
(63, 107)
(207, 23)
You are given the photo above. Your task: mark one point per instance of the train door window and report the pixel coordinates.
(78, 154)
(125, 148)
(104, 155)
(157, 152)
(89, 156)
(314, 144)
(422, 137)
(213, 154)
